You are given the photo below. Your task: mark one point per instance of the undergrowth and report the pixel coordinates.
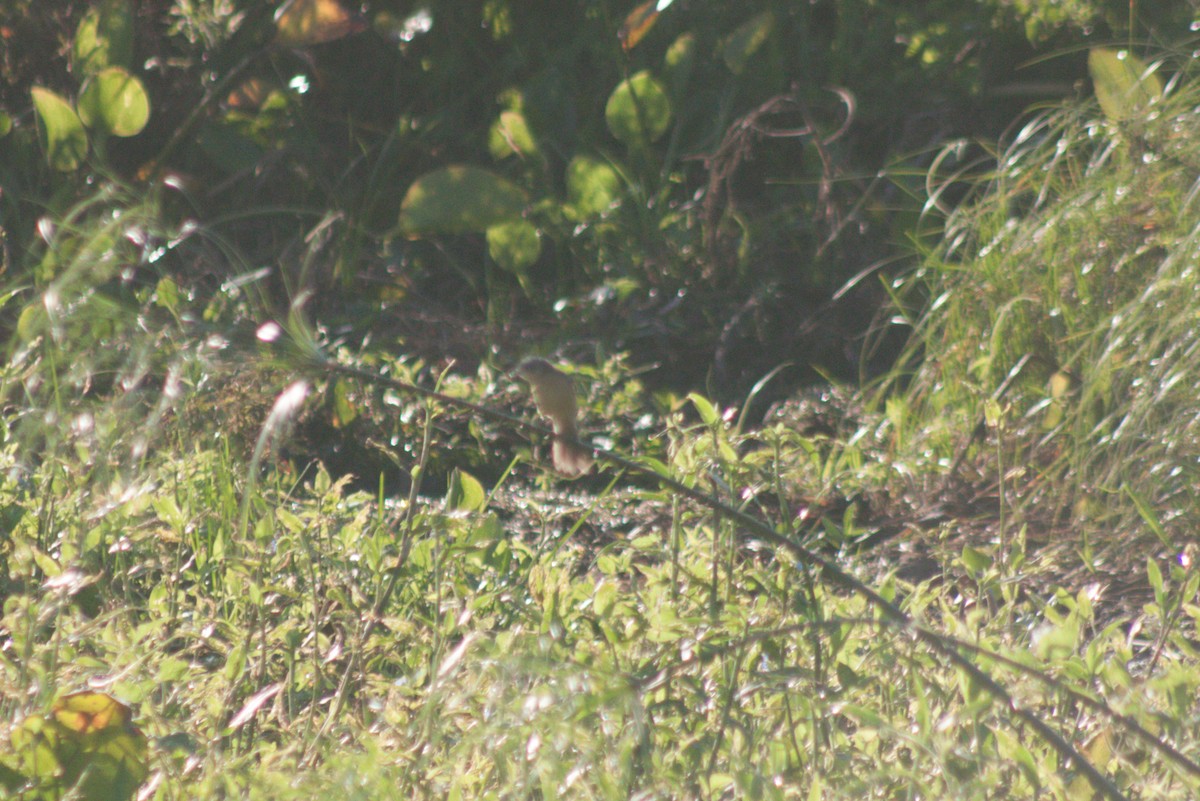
(282, 632)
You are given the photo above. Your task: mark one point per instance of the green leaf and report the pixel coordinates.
(64, 140)
(1155, 577)
(510, 136)
(229, 149)
(104, 38)
(678, 64)
(1148, 516)
(166, 294)
(31, 321)
(708, 413)
(458, 199)
(592, 187)
(115, 102)
(975, 560)
(1124, 84)
(344, 410)
(514, 245)
(745, 41)
(465, 493)
(638, 110)
(5, 124)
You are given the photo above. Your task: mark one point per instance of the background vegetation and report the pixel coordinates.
(960, 566)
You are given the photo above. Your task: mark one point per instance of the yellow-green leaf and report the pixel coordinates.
(510, 135)
(465, 493)
(459, 199)
(592, 187)
(638, 110)
(708, 413)
(115, 102)
(63, 138)
(514, 245)
(104, 38)
(1124, 84)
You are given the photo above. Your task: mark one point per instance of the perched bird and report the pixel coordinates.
(554, 394)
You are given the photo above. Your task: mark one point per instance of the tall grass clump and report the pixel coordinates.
(1057, 343)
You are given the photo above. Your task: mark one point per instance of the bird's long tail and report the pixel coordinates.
(570, 459)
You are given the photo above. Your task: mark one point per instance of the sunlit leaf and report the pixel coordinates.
(592, 186)
(514, 245)
(104, 38)
(465, 493)
(638, 110)
(299, 23)
(510, 135)
(745, 41)
(89, 712)
(166, 294)
(114, 101)
(637, 24)
(459, 199)
(1124, 84)
(64, 141)
(31, 321)
(87, 745)
(975, 560)
(5, 124)
(708, 413)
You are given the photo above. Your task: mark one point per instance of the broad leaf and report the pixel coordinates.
(592, 187)
(1124, 85)
(299, 23)
(64, 140)
(104, 38)
(115, 102)
(510, 135)
(459, 199)
(745, 41)
(515, 245)
(638, 110)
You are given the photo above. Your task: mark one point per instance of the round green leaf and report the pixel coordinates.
(5, 124)
(592, 186)
(115, 102)
(458, 199)
(64, 140)
(514, 245)
(104, 38)
(638, 110)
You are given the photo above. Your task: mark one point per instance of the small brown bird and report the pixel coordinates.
(554, 394)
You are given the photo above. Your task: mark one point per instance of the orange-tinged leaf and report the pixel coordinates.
(87, 712)
(637, 24)
(307, 22)
(250, 95)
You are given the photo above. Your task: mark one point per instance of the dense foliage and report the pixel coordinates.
(245, 552)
